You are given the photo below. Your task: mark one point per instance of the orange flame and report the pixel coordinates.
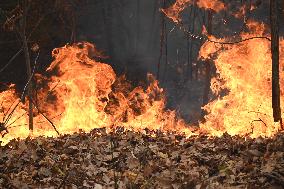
(174, 11)
(245, 71)
(79, 96)
(214, 5)
(83, 94)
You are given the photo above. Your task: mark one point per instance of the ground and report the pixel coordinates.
(126, 159)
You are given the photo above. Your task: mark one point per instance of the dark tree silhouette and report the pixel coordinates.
(22, 32)
(275, 60)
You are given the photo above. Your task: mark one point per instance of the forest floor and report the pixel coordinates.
(125, 159)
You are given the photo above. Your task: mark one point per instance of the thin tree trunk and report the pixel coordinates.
(275, 61)
(207, 67)
(137, 27)
(28, 63)
(73, 38)
(190, 45)
(107, 21)
(153, 32)
(196, 70)
(166, 54)
(162, 38)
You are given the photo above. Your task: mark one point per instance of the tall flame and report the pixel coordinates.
(83, 94)
(245, 71)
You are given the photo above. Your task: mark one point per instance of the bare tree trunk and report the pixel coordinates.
(73, 38)
(162, 39)
(166, 54)
(207, 67)
(28, 63)
(137, 27)
(190, 45)
(107, 20)
(275, 61)
(153, 21)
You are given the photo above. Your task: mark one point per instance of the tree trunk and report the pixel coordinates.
(107, 21)
(191, 28)
(154, 31)
(137, 28)
(162, 39)
(166, 54)
(207, 67)
(28, 63)
(275, 61)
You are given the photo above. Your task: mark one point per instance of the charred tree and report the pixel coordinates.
(275, 61)
(23, 23)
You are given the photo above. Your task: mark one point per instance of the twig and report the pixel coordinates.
(36, 122)
(257, 112)
(11, 60)
(52, 124)
(50, 91)
(27, 84)
(259, 120)
(195, 36)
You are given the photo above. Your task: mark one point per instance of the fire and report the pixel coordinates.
(174, 11)
(214, 5)
(245, 71)
(83, 94)
(82, 88)
(80, 93)
(243, 85)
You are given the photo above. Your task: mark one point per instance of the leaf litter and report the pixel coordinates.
(125, 159)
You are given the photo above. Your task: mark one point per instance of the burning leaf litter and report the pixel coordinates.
(83, 94)
(127, 159)
(136, 142)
